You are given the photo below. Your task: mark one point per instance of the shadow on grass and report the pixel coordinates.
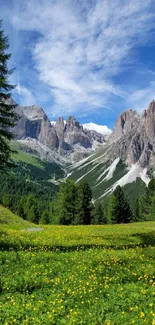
(144, 240)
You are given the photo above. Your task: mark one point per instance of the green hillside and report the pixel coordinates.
(22, 156)
(103, 173)
(11, 219)
(29, 165)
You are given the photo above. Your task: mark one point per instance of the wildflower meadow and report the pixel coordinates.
(91, 275)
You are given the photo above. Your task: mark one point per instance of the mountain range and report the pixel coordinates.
(126, 157)
(66, 140)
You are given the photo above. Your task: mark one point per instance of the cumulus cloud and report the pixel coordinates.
(81, 45)
(103, 129)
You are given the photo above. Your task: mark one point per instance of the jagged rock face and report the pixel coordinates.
(47, 135)
(72, 125)
(133, 137)
(149, 121)
(60, 127)
(33, 123)
(74, 134)
(100, 138)
(62, 137)
(126, 122)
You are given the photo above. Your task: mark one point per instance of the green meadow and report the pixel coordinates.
(91, 275)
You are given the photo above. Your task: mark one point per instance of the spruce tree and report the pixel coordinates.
(144, 205)
(84, 206)
(119, 209)
(99, 217)
(136, 211)
(65, 203)
(124, 214)
(112, 209)
(151, 187)
(8, 116)
(147, 202)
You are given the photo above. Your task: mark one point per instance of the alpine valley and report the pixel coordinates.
(67, 150)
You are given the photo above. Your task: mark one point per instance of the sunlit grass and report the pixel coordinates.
(91, 275)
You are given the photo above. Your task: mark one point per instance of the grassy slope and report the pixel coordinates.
(22, 156)
(10, 219)
(101, 185)
(29, 166)
(69, 237)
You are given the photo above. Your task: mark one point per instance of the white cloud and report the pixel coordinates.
(103, 129)
(82, 45)
(141, 98)
(27, 98)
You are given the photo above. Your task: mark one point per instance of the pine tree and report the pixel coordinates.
(112, 209)
(144, 205)
(147, 202)
(8, 116)
(44, 218)
(119, 209)
(65, 204)
(151, 215)
(136, 211)
(124, 214)
(151, 187)
(99, 217)
(84, 206)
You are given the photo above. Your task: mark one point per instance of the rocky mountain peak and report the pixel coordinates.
(60, 123)
(66, 138)
(73, 125)
(33, 112)
(148, 121)
(151, 108)
(127, 121)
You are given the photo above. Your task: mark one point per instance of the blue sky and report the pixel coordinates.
(87, 58)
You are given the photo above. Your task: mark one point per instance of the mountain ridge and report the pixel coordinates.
(69, 139)
(126, 157)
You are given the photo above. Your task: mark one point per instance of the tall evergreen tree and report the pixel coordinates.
(147, 202)
(136, 211)
(65, 204)
(112, 209)
(8, 116)
(124, 214)
(151, 187)
(84, 206)
(99, 217)
(144, 205)
(119, 210)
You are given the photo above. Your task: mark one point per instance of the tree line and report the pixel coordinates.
(71, 203)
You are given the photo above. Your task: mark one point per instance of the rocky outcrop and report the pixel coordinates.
(133, 137)
(128, 121)
(63, 137)
(33, 123)
(73, 134)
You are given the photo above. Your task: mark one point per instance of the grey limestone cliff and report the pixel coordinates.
(133, 137)
(63, 137)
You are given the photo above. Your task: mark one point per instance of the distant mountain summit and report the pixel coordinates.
(127, 159)
(69, 139)
(133, 137)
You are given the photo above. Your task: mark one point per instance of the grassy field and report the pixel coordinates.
(89, 275)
